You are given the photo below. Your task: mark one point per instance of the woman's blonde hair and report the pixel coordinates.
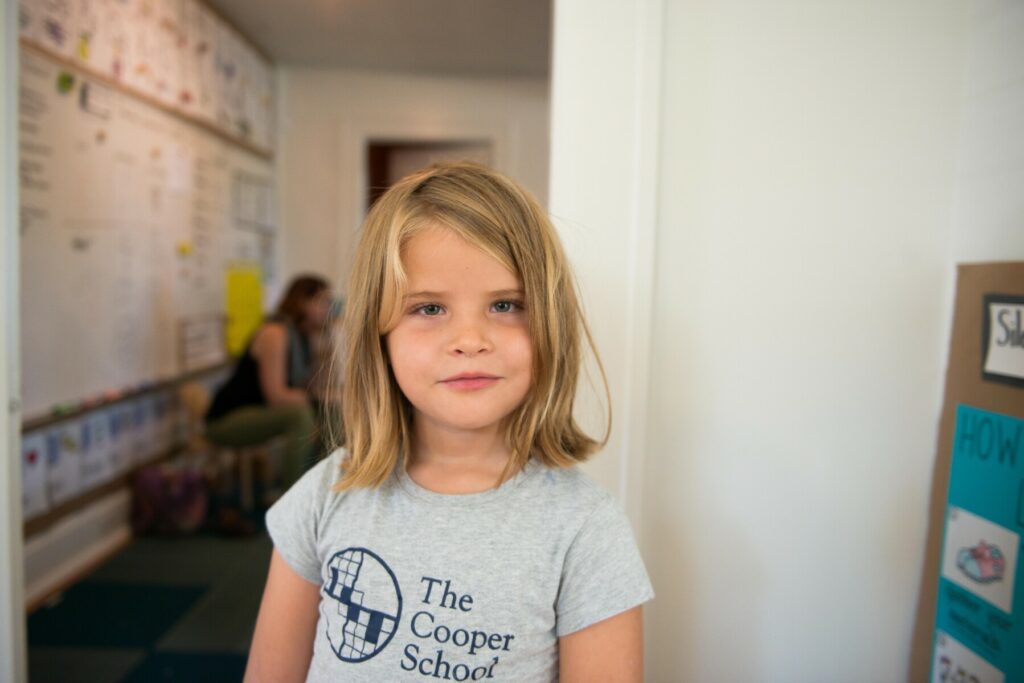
(498, 216)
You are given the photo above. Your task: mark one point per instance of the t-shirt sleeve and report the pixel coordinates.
(293, 520)
(603, 574)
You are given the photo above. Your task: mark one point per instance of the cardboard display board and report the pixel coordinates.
(970, 613)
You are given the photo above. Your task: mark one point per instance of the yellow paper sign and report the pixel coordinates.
(244, 305)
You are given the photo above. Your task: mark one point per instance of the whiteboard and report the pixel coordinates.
(130, 217)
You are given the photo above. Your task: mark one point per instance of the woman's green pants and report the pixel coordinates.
(252, 425)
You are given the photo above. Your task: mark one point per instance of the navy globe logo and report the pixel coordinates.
(367, 604)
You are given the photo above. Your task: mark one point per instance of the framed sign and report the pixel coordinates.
(1003, 339)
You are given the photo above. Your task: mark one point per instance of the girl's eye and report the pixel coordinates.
(506, 306)
(428, 309)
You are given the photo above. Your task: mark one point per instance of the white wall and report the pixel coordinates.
(988, 218)
(803, 255)
(815, 188)
(326, 116)
(12, 606)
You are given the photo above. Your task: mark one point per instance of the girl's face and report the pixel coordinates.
(461, 351)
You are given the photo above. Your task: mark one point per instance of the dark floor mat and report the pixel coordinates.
(192, 667)
(82, 665)
(108, 614)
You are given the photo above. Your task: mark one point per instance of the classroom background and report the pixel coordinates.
(770, 208)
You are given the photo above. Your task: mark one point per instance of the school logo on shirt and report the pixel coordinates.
(368, 604)
(362, 606)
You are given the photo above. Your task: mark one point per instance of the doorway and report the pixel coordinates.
(387, 161)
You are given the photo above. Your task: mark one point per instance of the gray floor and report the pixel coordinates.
(236, 570)
(221, 621)
(81, 665)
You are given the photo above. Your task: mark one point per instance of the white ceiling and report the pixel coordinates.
(464, 37)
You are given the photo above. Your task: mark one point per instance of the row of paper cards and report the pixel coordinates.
(177, 51)
(68, 459)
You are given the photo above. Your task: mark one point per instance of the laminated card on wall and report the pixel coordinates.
(980, 613)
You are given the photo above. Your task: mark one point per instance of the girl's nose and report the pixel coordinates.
(471, 339)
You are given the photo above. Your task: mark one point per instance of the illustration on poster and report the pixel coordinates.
(983, 563)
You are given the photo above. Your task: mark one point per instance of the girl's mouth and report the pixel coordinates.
(470, 380)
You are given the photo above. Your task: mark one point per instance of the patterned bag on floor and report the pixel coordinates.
(168, 500)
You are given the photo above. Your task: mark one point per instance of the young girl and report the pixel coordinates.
(454, 538)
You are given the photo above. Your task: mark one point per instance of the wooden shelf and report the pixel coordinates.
(44, 421)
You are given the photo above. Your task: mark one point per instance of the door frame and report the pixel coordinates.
(13, 649)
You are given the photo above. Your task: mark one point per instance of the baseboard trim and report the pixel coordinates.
(69, 550)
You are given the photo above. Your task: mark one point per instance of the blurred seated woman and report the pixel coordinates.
(268, 394)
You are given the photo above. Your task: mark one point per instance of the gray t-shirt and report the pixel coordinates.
(421, 586)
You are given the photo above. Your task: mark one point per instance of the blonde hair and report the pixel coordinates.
(495, 214)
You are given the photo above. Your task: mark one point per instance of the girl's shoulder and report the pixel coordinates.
(319, 481)
(567, 490)
(330, 468)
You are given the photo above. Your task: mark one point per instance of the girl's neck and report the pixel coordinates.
(453, 462)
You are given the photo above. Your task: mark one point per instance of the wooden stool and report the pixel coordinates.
(195, 398)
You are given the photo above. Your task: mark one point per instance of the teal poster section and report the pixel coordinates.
(979, 624)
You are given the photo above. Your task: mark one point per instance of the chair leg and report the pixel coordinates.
(245, 476)
(224, 470)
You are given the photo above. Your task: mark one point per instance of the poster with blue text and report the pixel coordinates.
(979, 623)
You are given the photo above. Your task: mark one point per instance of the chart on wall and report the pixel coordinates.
(130, 218)
(175, 51)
